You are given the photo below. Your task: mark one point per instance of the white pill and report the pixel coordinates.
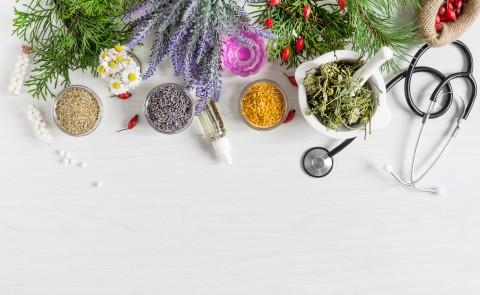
(82, 164)
(97, 184)
(68, 155)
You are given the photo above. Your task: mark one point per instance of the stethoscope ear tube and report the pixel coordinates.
(444, 84)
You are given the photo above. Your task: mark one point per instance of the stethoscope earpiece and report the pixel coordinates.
(387, 168)
(439, 190)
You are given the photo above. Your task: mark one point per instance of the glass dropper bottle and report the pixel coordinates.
(214, 130)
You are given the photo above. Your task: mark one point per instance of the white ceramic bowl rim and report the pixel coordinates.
(379, 120)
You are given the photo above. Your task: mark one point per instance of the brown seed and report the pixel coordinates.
(77, 111)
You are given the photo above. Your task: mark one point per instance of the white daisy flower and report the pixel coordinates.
(132, 77)
(103, 56)
(104, 71)
(119, 48)
(116, 86)
(110, 55)
(128, 62)
(112, 66)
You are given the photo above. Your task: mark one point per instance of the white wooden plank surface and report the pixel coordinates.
(171, 219)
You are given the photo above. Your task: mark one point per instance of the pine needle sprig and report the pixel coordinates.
(324, 30)
(375, 27)
(365, 24)
(67, 35)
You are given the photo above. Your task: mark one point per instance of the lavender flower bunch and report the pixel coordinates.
(191, 32)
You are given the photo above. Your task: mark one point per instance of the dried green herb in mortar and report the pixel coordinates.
(329, 97)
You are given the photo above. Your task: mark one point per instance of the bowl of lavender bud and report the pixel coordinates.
(169, 108)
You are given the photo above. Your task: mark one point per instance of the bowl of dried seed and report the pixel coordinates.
(169, 108)
(263, 105)
(77, 110)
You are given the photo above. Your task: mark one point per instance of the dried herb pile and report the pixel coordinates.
(329, 97)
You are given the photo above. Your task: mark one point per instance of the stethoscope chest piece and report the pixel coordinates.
(317, 162)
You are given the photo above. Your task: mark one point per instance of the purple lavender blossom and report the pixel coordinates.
(191, 32)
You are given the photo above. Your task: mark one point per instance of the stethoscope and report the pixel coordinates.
(318, 161)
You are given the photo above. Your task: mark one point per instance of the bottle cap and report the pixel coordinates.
(223, 149)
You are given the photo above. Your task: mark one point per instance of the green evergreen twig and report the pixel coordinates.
(67, 35)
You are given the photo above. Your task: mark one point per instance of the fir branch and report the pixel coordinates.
(376, 27)
(366, 24)
(67, 35)
(326, 29)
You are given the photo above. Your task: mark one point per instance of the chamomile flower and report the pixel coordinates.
(131, 77)
(121, 57)
(111, 66)
(117, 86)
(103, 55)
(119, 48)
(102, 71)
(128, 62)
(119, 69)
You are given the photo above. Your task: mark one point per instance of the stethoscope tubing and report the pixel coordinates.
(444, 88)
(444, 84)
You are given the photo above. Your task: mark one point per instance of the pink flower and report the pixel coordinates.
(241, 58)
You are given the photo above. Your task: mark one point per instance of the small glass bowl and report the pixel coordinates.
(147, 100)
(100, 110)
(285, 102)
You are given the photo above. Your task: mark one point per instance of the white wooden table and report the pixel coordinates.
(172, 219)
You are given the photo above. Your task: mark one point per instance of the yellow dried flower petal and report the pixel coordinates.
(263, 105)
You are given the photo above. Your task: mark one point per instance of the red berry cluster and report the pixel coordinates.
(448, 12)
(300, 41)
(299, 44)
